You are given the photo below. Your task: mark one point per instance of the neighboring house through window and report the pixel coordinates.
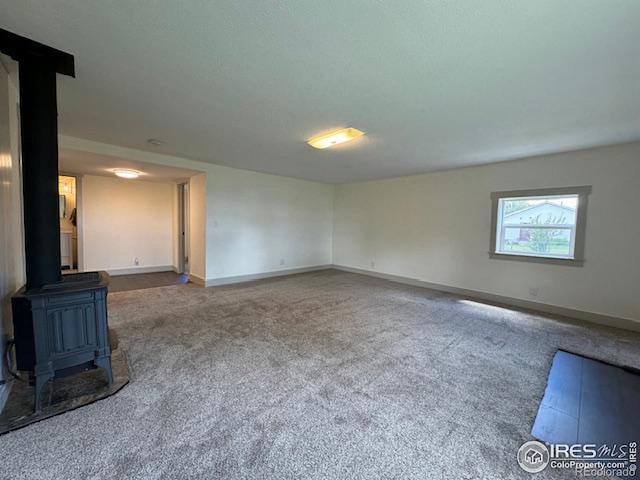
(545, 225)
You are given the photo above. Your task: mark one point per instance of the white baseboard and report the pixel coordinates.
(601, 319)
(215, 282)
(592, 317)
(114, 272)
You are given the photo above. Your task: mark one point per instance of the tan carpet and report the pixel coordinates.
(320, 375)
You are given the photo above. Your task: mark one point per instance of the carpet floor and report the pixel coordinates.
(319, 375)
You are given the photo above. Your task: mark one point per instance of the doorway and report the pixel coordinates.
(183, 228)
(68, 215)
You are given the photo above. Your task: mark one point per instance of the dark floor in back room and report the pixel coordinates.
(139, 281)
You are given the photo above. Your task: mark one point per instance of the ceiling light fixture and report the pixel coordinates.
(335, 137)
(126, 173)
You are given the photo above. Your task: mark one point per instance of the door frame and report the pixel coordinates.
(79, 260)
(183, 227)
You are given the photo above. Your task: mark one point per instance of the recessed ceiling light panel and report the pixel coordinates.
(126, 173)
(335, 137)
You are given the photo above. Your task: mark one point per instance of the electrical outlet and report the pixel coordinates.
(136, 261)
(533, 291)
(282, 261)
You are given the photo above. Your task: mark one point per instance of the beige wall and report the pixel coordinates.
(436, 227)
(433, 227)
(12, 274)
(252, 223)
(124, 220)
(260, 223)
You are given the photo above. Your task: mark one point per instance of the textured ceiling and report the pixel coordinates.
(434, 84)
(74, 162)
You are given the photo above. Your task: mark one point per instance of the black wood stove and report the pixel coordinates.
(61, 329)
(60, 323)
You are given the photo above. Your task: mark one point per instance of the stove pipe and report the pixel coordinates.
(39, 136)
(37, 68)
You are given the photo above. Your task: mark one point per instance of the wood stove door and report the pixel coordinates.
(72, 331)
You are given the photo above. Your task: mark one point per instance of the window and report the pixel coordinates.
(545, 225)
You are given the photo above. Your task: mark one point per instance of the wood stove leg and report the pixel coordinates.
(105, 364)
(41, 381)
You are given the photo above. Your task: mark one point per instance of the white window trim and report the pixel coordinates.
(581, 222)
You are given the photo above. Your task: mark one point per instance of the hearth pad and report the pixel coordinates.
(62, 395)
(589, 404)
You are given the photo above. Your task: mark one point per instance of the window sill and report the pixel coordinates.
(571, 262)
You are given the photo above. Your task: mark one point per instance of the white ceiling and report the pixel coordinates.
(83, 163)
(434, 84)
